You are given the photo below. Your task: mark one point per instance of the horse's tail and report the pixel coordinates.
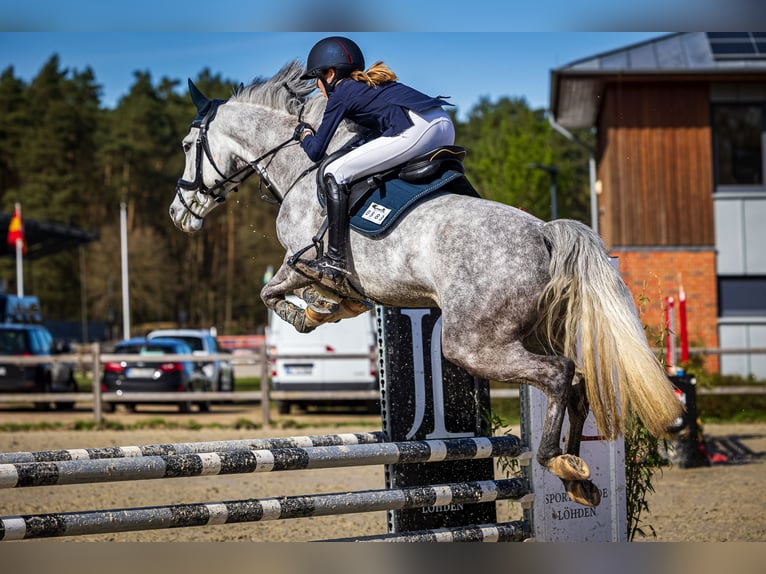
(588, 315)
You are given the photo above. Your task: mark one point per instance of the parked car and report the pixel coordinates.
(146, 374)
(219, 373)
(44, 377)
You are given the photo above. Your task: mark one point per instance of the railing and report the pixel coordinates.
(93, 360)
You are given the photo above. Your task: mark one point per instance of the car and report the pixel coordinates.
(34, 340)
(146, 374)
(220, 373)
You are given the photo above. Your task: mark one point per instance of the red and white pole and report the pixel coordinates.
(670, 335)
(683, 333)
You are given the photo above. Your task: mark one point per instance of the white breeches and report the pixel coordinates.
(430, 130)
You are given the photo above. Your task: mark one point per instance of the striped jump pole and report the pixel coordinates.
(256, 510)
(514, 531)
(193, 447)
(29, 474)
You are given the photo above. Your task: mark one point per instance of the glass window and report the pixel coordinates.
(742, 296)
(13, 342)
(738, 133)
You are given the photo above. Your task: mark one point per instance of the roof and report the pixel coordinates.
(577, 88)
(45, 237)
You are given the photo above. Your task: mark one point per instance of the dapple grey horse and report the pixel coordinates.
(522, 300)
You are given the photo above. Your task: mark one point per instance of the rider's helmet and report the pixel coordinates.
(334, 52)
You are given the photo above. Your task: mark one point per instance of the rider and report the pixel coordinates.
(409, 123)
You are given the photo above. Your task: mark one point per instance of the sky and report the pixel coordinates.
(465, 66)
(466, 49)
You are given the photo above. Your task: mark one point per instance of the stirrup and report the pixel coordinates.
(317, 268)
(324, 272)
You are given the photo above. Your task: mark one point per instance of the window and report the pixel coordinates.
(738, 135)
(742, 296)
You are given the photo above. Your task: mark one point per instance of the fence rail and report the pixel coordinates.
(92, 361)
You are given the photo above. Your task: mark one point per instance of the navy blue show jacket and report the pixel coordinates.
(382, 109)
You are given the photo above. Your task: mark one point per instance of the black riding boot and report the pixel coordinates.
(330, 269)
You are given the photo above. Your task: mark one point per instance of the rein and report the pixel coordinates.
(238, 177)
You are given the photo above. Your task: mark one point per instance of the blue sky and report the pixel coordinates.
(371, 15)
(466, 49)
(465, 66)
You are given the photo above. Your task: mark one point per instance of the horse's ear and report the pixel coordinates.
(199, 99)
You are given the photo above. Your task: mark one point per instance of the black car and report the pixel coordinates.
(44, 377)
(146, 373)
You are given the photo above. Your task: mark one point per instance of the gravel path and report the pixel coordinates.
(724, 502)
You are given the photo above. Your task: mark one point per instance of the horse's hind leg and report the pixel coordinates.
(511, 362)
(581, 491)
(577, 408)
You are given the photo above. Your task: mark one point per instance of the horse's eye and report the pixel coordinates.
(187, 147)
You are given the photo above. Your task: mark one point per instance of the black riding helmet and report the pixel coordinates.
(333, 52)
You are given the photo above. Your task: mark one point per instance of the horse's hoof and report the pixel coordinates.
(569, 467)
(583, 492)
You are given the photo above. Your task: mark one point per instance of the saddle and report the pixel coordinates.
(405, 183)
(421, 169)
(430, 165)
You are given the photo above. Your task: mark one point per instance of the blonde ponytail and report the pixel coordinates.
(375, 75)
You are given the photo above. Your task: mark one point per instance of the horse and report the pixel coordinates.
(522, 300)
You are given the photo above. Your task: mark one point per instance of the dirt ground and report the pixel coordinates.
(721, 503)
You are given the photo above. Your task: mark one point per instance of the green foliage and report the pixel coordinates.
(642, 461)
(504, 139)
(497, 425)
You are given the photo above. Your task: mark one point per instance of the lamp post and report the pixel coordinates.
(591, 169)
(552, 172)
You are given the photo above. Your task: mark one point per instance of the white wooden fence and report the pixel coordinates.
(92, 359)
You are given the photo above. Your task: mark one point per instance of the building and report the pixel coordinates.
(681, 145)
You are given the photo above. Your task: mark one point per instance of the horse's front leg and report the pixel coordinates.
(285, 281)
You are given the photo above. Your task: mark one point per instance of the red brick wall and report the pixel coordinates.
(654, 275)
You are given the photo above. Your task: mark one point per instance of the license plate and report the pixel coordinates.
(298, 369)
(139, 373)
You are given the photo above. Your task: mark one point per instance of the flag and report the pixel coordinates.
(16, 231)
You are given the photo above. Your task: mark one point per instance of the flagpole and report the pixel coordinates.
(19, 259)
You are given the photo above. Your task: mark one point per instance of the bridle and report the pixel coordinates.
(238, 177)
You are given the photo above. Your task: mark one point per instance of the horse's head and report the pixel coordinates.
(206, 179)
(230, 140)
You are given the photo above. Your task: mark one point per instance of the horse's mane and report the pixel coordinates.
(274, 93)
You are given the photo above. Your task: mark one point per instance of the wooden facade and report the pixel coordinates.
(660, 210)
(655, 165)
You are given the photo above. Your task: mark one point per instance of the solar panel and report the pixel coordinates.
(737, 45)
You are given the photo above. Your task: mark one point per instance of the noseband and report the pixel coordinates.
(239, 176)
